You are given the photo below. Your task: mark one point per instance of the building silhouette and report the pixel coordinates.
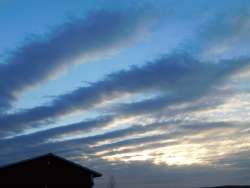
(47, 171)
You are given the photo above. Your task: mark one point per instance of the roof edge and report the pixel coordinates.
(95, 174)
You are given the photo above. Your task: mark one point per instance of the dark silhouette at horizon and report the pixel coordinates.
(230, 186)
(47, 171)
(50, 170)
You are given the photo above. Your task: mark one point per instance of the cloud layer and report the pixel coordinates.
(171, 75)
(180, 120)
(99, 33)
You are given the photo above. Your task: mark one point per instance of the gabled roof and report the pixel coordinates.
(55, 157)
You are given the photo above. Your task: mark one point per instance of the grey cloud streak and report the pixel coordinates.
(99, 33)
(36, 142)
(120, 167)
(185, 87)
(147, 175)
(181, 77)
(39, 138)
(225, 34)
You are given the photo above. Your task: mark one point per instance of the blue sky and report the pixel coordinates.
(153, 92)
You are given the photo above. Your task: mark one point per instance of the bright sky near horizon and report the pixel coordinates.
(154, 92)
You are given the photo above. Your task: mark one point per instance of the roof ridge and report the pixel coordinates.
(96, 174)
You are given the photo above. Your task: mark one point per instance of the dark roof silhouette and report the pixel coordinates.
(49, 156)
(48, 169)
(231, 186)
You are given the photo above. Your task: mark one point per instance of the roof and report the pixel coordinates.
(55, 157)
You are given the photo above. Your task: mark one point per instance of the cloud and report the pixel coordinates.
(180, 77)
(225, 34)
(143, 174)
(99, 33)
(110, 142)
(172, 140)
(174, 132)
(147, 175)
(68, 132)
(192, 133)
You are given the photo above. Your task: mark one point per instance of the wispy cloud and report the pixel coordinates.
(172, 75)
(99, 33)
(193, 125)
(225, 34)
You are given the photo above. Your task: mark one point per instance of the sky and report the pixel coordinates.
(153, 93)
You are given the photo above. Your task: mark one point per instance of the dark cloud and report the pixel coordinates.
(43, 136)
(225, 34)
(148, 175)
(185, 86)
(37, 141)
(78, 40)
(180, 133)
(143, 174)
(180, 77)
(238, 159)
(193, 175)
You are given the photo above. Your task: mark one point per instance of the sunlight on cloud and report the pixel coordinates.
(115, 124)
(201, 148)
(236, 108)
(120, 123)
(173, 110)
(173, 155)
(131, 136)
